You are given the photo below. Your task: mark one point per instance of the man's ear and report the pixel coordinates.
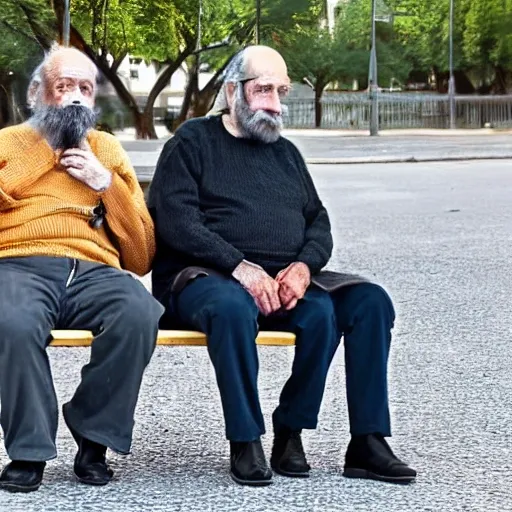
(230, 93)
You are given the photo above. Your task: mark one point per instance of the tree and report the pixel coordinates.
(487, 40)
(321, 58)
(19, 53)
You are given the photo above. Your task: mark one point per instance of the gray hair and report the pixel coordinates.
(33, 86)
(236, 71)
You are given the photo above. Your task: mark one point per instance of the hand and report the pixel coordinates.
(83, 165)
(262, 288)
(293, 282)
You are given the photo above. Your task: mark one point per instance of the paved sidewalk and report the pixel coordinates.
(334, 147)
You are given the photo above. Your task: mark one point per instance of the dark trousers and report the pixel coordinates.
(38, 294)
(228, 315)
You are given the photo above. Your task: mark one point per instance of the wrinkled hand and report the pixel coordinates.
(259, 285)
(293, 282)
(83, 165)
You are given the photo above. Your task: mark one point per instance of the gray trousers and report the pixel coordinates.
(38, 294)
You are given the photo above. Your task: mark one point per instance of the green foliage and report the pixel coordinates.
(487, 40)
(19, 49)
(321, 58)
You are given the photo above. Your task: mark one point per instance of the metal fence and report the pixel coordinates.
(352, 111)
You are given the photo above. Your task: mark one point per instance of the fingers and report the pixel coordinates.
(291, 304)
(274, 301)
(75, 152)
(76, 173)
(267, 296)
(283, 273)
(73, 161)
(285, 294)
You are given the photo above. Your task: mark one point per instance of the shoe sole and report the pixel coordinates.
(363, 473)
(19, 488)
(252, 483)
(290, 475)
(90, 482)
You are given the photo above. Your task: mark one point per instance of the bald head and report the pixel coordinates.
(67, 62)
(264, 62)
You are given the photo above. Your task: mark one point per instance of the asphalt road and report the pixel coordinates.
(439, 237)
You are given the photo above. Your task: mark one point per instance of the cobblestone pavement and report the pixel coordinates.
(439, 238)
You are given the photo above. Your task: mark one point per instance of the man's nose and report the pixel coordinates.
(274, 103)
(76, 102)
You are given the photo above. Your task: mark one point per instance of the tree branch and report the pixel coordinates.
(18, 31)
(39, 33)
(214, 46)
(118, 61)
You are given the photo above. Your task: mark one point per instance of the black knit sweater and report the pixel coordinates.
(217, 199)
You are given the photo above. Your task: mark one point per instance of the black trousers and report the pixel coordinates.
(363, 314)
(38, 294)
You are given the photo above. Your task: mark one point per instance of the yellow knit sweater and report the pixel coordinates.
(45, 212)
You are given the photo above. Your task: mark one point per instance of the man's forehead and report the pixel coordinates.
(70, 65)
(268, 65)
(75, 73)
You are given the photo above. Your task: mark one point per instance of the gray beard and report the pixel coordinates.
(259, 125)
(64, 127)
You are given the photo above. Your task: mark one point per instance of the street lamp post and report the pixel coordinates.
(258, 20)
(451, 82)
(372, 80)
(67, 24)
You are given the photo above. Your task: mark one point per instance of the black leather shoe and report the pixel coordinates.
(288, 457)
(22, 476)
(371, 457)
(90, 465)
(248, 464)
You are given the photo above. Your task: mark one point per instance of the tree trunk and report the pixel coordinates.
(203, 100)
(319, 89)
(499, 85)
(191, 91)
(162, 80)
(4, 106)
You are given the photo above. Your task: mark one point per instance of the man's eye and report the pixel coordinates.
(85, 89)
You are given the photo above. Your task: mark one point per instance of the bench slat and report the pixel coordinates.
(70, 338)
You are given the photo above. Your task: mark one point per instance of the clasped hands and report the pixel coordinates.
(271, 295)
(82, 164)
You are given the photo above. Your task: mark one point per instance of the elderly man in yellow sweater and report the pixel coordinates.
(72, 220)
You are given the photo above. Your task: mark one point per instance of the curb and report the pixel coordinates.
(402, 159)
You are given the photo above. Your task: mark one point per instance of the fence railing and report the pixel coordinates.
(352, 111)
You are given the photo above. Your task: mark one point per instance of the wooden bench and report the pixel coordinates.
(68, 338)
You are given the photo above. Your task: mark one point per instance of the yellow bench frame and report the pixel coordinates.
(69, 338)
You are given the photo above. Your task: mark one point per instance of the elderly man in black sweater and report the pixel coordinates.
(242, 237)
